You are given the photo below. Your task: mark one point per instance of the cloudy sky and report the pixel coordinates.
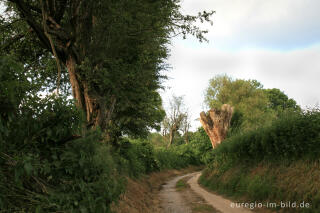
(276, 42)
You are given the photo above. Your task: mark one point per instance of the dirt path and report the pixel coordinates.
(172, 201)
(218, 202)
(193, 199)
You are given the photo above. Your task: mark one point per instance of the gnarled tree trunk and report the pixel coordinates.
(69, 45)
(94, 106)
(216, 123)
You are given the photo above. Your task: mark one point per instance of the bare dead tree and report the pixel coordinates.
(174, 119)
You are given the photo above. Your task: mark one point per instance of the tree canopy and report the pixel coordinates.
(280, 102)
(111, 54)
(246, 96)
(253, 104)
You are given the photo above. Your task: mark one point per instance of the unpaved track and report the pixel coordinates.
(173, 202)
(216, 201)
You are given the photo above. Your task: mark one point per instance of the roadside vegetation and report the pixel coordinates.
(81, 111)
(50, 163)
(275, 161)
(79, 97)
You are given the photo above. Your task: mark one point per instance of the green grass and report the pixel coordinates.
(273, 163)
(181, 184)
(203, 208)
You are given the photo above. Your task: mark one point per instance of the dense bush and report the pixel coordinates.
(139, 156)
(44, 169)
(267, 163)
(135, 157)
(49, 162)
(292, 136)
(46, 165)
(201, 146)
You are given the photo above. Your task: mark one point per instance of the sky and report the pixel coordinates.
(276, 42)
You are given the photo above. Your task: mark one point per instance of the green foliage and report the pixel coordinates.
(13, 85)
(88, 177)
(77, 176)
(293, 136)
(236, 123)
(246, 96)
(181, 184)
(254, 164)
(173, 158)
(115, 53)
(48, 171)
(201, 146)
(139, 156)
(280, 102)
(50, 163)
(157, 140)
(112, 55)
(196, 152)
(259, 188)
(239, 182)
(136, 157)
(43, 167)
(253, 105)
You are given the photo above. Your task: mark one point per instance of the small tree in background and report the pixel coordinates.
(176, 116)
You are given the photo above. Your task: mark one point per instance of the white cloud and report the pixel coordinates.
(297, 73)
(284, 24)
(276, 42)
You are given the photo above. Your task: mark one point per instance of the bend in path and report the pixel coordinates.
(216, 201)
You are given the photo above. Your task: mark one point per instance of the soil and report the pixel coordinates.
(218, 202)
(160, 193)
(192, 198)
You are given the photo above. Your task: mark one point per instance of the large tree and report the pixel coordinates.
(253, 105)
(280, 102)
(246, 96)
(111, 52)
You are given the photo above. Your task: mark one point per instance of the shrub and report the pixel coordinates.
(136, 157)
(46, 165)
(293, 136)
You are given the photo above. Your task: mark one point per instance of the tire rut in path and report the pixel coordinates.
(173, 202)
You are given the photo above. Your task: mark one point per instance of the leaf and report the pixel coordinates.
(28, 168)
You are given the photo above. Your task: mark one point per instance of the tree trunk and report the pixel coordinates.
(216, 123)
(171, 136)
(186, 137)
(68, 45)
(94, 106)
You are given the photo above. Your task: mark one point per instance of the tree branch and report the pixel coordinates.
(12, 41)
(25, 9)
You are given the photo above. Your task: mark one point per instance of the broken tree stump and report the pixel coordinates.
(216, 123)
